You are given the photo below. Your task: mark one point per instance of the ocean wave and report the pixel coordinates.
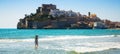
(60, 37)
(68, 43)
(107, 51)
(102, 46)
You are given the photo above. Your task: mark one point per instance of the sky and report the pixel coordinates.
(12, 10)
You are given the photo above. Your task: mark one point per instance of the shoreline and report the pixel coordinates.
(64, 29)
(64, 44)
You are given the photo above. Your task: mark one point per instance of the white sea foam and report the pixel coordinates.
(68, 43)
(67, 37)
(100, 46)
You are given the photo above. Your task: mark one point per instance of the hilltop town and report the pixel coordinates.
(49, 17)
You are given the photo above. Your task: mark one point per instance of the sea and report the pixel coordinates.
(60, 41)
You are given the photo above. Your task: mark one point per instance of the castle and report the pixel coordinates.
(49, 17)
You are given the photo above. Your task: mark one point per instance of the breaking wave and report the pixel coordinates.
(80, 44)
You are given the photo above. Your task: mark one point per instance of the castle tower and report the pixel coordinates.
(89, 14)
(38, 10)
(26, 23)
(47, 7)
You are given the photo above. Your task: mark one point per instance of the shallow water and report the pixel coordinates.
(60, 45)
(60, 41)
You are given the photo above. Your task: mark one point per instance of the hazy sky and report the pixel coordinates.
(12, 10)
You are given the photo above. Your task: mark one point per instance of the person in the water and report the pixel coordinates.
(36, 41)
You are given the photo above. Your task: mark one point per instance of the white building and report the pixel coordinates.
(99, 25)
(71, 13)
(58, 13)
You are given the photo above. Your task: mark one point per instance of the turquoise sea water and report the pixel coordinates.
(24, 33)
(60, 41)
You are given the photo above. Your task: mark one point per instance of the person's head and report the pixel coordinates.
(36, 36)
